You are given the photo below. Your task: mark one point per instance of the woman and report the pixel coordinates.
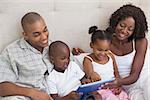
(128, 25)
(129, 46)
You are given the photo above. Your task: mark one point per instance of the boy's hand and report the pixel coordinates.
(95, 77)
(77, 51)
(73, 95)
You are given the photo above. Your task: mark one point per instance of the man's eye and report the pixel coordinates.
(63, 58)
(45, 30)
(36, 35)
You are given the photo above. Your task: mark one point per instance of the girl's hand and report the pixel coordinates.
(85, 81)
(95, 77)
(77, 51)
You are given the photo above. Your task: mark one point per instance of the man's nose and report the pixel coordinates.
(44, 36)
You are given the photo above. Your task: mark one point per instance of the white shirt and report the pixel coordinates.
(63, 83)
(106, 71)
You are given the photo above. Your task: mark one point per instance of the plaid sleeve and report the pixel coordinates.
(7, 71)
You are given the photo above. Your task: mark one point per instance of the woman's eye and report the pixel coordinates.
(122, 25)
(131, 29)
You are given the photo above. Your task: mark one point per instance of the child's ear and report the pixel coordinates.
(51, 59)
(91, 45)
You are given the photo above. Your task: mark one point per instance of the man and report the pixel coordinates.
(24, 62)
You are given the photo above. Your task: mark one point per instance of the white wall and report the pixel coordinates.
(67, 20)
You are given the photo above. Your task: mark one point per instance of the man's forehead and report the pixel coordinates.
(36, 26)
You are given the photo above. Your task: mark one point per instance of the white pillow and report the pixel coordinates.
(79, 59)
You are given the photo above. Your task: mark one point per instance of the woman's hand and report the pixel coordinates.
(115, 84)
(77, 51)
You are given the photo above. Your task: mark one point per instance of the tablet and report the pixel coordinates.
(86, 88)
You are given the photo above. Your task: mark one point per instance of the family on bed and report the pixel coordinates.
(35, 68)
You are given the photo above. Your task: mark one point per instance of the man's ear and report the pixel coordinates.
(25, 35)
(51, 58)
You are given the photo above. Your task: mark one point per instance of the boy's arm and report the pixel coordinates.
(71, 96)
(10, 89)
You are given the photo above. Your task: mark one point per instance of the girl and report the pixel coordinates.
(102, 63)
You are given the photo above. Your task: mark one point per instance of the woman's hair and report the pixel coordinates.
(129, 11)
(99, 34)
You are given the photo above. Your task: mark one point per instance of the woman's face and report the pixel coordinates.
(125, 28)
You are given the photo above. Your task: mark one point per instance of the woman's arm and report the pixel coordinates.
(138, 62)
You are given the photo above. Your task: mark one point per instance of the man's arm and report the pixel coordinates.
(10, 89)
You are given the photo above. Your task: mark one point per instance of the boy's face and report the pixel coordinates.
(37, 34)
(61, 59)
(100, 48)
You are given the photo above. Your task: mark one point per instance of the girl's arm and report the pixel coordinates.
(116, 73)
(88, 69)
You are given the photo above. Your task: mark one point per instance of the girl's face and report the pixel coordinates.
(100, 48)
(125, 28)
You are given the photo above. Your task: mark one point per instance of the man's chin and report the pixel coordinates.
(44, 45)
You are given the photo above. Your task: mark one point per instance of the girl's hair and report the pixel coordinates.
(127, 11)
(99, 34)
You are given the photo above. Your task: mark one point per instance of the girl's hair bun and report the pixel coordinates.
(93, 29)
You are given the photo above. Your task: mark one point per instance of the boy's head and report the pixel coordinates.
(35, 30)
(59, 55)
(100, 41)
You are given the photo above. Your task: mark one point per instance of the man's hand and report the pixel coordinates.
(39, 95)
(77, 51)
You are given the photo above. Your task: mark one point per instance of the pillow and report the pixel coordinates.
(79, 59)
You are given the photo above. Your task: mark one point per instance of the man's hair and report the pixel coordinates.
(29, 18)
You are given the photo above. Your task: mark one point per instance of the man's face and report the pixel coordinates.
(37, 34)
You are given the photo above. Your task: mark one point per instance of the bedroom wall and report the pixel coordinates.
(67, 20)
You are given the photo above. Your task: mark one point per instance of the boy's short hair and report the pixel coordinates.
(56, 45)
